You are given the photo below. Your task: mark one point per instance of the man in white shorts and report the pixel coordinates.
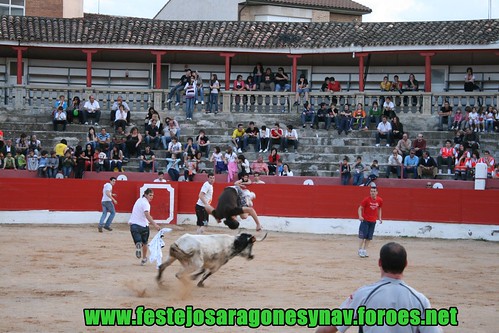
(139, 224)
(204, 199)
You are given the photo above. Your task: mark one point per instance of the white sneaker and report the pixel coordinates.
(86, 123)
(439, 170)
(266, 150)
(169, 100)
(202, 102)
(448, 171)
(365, 253)
(377, 145)
(143, 261)
(387, 145)
(177, 104)
(96, 124)
(260, 151)
(197, 102)
(239, 150)
(361, 253)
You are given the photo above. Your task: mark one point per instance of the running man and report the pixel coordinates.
(232, 203)
(369, 210)
(139, 224)
(204, 199)
(108, 201)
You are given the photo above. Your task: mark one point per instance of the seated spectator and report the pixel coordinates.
(345, 171)
(446, 156)
(250, 85)
(170, 130)
(445, 116)
(174, 147)
(308, 115)
(190, 148)
(411, 163)
(161, 178)
(120, 117)
(172, 168)
(375, 114)
(8, 148)
(471, 164)
(384, 131)
(471, 140)
(61, 102)
(119, 140)
(385, 86)
(411, 85)
(427, 166)
(276, 137)
(203, 143)
(286, 171)
(281, 80)
(251, 137)
(92, 137)
(258, 74)
(264, 139)
(359, 118)
(256, 178)
(345, 120)
(389, 108)
(104, 140)
(394, 164)
(461, 158)
(177, 89)
(496, 172)
(133, 141)
(323, 115)
(474, 119)
(152, 134)
(34, 144)
(42, 164)
(52, 165)
(238, 85)
(32, 161)
(2, 142)
(88, 155)
(9, 162)
(397, 129)
(190, 168)
(273, 159)
(419, 145)
(22, 144)
(60, 118)
(373, 173)
(147, 160)
(458, 120)
(68, 163)
(358, 171)
(218, 159)
(458, 139)
(496, 119)
(489, 119)
(116, 159)
(101, 162)
(268, 81)
(81, 159)
(243, 166)
(290, 137)
(75, 111)
(149, 115)
(20, 161)
(91, 109)
(396, 84)
(238, 138)
(469, 81)
(325, 85)
(302, 87)
(489, 161)
(334, 86)
(404, 146)
(125, 113)
(259, 166)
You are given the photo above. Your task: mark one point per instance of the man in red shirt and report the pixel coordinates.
(369, 211)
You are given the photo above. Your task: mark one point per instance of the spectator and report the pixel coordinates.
(264, 139)
(323, 115)
(489, 161)
(161, 178)
(238, 138)
(20, 161)
(458, 120)
(385, 86)
(427, 166)
(469, 81)
(308, 115)
(61, 102)
(32, 160)
(172, 168)
(243, 166)
(52, 164)
(461, 158)
(124, 112)
(496, 172)
(411, 85)
(489, 119)
(101, 162)
(147, 160)
(251, 137)
(116, 159)
(446, 156)
(471, 140)
(175, 147)
(445, 116)
(34, 144)
(214, 90)
(258, 74)
(419, 145)
(359, 118)
(290, 137)
(149, 115)
(80, 162)
(91, 137)
(473, 119)
(203, 143)
(359, 168)
(397, 129)
(373, 173)
(177, 89)
(276, 136)
(496, 119)
(190, 167)
(250, 85)
(75, 111)
(259, 166)
(411, 163)
(91, 109)
(22, 145)
(325, 84)
(170, 130)
(190, 97)
(281, 80)
(471, 164)
(238, 85)
(286, 171)
(9, 162)
(384, 131)
(458, 139)
(388, 108)
(404, 145)
(273, 158)
(152, 135)
(218, 160)
(199, 88)
(375, 113)
(190, 148)
(256, 178)
(345, 120)
(60, 118)
(119, 140)
(345, 171)
(301, 88)
(396, 85)
(268, 82)
(68, 163)
(133, 141)
(103, 139)
(334, 86)
(42, 164)
(394, 164)
(8, 148)
(231, 160)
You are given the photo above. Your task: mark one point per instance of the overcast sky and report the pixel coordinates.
(383, 10)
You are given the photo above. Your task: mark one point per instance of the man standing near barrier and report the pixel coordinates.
(204, 199)
(108, 202)
(389, 293)
(369, 211)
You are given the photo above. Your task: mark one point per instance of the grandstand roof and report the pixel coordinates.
(103, 31)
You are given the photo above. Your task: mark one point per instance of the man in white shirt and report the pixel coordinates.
(115, 107)
(384, 132)
(91, 109)
(290, 137)
(108, 201)
(139, 224)
(204, 199)
(60, 118)
(161, 178)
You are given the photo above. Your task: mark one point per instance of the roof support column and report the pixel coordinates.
(361, 56)
(89, 53)
(294, 70)
(158, 54)
(427, 70)
(227, 56)
(20, 50)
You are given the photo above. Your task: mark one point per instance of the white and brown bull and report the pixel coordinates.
(203, 255)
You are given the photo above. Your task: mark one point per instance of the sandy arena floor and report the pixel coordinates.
(50, 273)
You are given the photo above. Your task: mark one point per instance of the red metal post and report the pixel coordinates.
(20, 50)
(427, 70)
(227, 68)
(361, 69)
(89, 53)
(158, 54)
(294, 71)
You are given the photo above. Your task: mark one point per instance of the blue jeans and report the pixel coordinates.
(176, 91)
(200, 94)
(278, 87)
(247, 140)
(51, 173)
(358, 178)
(213, 103)
(345, 178)
(66, 171)
(189, 107)
(107, 207)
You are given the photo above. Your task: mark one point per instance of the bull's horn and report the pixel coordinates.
(260, 239)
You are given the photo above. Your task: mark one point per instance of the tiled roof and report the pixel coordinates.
(347, 5)
(208, 35)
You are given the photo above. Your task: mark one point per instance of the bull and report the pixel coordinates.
(203, 255)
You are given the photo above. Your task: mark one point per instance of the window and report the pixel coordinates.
(12, 7)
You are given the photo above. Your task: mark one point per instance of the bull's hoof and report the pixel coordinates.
(200, 285)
